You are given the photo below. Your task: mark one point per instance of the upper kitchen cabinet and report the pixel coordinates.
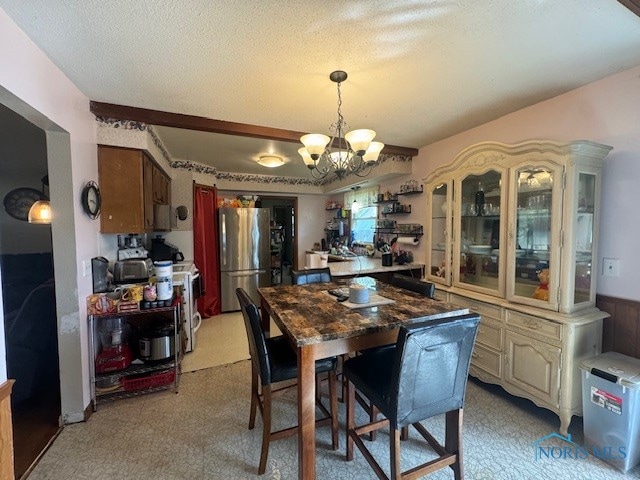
(518, 222)
(136, 193)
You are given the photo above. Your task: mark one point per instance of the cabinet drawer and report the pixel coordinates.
(483, 308)
(535, 324)
(487, 360)
(489, 335)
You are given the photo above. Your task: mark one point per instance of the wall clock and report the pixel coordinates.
(18, 202)
(91, 200)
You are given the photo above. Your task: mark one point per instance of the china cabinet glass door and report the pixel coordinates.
(439, 242)
(535, 235)
(583, 290)
(478, 264)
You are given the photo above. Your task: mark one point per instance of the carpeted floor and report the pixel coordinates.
(201, 433)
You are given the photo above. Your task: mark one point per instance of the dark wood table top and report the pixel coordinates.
(308, 315)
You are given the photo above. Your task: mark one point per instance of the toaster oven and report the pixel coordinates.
(132, 271)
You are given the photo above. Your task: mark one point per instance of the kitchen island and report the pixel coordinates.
(373, 267)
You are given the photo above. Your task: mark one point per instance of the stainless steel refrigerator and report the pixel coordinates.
(244, 253)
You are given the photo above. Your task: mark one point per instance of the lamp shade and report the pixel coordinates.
(373, 152)
(306, 158)
(40, 212)
(359, 140)
(315, 143)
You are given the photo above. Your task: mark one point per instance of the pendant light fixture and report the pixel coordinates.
(40, 211)
(355, 206)
(344, 153)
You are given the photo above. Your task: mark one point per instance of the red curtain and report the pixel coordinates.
(205, 245)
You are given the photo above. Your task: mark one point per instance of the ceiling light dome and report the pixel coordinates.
(271, 161)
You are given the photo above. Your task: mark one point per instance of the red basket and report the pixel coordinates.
(150, 381)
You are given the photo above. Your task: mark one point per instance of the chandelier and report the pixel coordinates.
(344, 153)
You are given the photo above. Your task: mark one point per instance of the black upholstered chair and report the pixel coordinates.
(312, 275)
(423, 376)
(414, 285)
(427, 289)
(272, 361)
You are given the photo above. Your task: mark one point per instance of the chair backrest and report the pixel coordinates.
(312, 275)
(427, 289)
(255, 336)
(431, 365)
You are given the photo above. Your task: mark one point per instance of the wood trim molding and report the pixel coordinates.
(633, 5)
(204, 124)
(6, 432)
(621, 331)
(5, 389)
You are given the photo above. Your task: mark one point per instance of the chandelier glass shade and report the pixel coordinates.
(344, 153)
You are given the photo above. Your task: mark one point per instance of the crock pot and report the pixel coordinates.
(157, 343)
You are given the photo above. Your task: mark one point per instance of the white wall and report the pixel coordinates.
(608, 112)
(34, 87)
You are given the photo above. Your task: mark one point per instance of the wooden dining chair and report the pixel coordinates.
(311, 275)
(424, 375)
(273, 360)
(414, 285)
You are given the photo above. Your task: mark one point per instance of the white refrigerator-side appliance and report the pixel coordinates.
(244, 253)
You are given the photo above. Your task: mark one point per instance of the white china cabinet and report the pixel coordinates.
(512, 233)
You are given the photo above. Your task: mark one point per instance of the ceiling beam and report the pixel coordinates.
(633, 5)
(203, 124)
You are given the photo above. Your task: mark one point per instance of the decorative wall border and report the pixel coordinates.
(235, 177)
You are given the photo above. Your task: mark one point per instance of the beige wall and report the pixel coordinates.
(31, 85)
(608, 112)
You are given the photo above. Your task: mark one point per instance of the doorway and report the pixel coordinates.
(283, 237)
(28, 291)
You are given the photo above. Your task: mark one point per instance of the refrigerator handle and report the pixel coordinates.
(246, 273)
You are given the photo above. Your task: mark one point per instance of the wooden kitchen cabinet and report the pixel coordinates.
(131, 183)
(499, 215)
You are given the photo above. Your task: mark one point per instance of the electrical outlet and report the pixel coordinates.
(86, 268)
(611, 267)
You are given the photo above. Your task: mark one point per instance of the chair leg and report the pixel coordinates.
(255, 396)
(404, 433)
(351, 410)
(453, 440)
(266, 428)
(373, 417)
(394, 452)
(333, 403)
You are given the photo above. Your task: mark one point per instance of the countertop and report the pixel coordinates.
(365, 265)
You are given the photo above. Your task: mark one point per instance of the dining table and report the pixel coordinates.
(319, 326)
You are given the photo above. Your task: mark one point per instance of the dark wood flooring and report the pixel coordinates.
(35, 423)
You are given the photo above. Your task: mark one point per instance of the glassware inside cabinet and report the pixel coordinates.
(584, 237)
(480, 230)
(533, 232)
(439, 231)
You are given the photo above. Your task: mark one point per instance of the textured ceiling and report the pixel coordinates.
(419, 70)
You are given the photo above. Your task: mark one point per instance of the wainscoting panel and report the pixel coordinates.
(621, 331)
